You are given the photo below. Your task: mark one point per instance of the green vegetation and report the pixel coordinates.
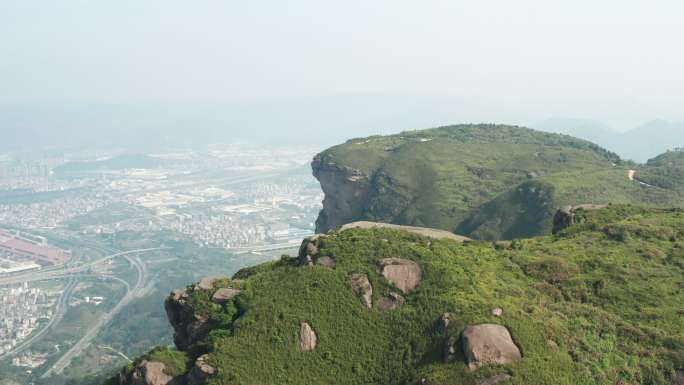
(586, 306)
(490, 181)
(175, 362)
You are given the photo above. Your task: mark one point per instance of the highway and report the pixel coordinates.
(52, 274)
(135, 292)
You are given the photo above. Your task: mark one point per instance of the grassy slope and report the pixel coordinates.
(465, 178)
(607, 292)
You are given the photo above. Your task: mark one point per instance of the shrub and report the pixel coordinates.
(553, 270)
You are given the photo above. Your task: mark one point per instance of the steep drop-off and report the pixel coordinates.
(483, 181)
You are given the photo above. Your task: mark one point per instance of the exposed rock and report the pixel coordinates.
(424, 231)
(307, 338)
(345, 191)
(325, 261)
(496, 379)
(201, 371)
(147, 373)
(403, 273)
(489, 344)
(392, 302)
(206, 283)
(309, 250)
(497, 312)
(444, 321)
(224, 295)
(565, 216)
(363, 288)
(680, 377)
(188, 327)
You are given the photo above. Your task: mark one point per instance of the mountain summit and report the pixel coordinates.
(482, 181)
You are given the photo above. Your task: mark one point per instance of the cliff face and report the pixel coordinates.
(346, 191)
(482, 181)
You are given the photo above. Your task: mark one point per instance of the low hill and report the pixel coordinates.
(482, 181)
(116, 163)
(600, 302)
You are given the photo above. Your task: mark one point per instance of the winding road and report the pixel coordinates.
(131, 293)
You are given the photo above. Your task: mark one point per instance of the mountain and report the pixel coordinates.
(591, 130)
(638, 144)
(483, 181)
(652, 138)
(599, 302)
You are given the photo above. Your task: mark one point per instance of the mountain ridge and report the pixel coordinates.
(382, 305)
(482, 181)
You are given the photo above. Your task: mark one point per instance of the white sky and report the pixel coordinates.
(495, 60)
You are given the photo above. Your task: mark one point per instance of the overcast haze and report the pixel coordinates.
(360, 66)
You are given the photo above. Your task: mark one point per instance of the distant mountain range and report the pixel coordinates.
(639, 144)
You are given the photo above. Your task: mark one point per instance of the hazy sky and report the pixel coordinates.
(619, 61)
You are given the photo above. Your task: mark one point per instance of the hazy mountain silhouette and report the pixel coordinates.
(639, 144)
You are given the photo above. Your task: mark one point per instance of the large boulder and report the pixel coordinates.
(403, 273)
(224, 295)
(489, 344)
(310, 249)
(680, 377)
(363, 288)
(206, 283)
(391, 302)
(307, 338)
(147, 373)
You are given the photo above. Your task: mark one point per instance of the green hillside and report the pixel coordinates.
(601, 302)
(484, 181)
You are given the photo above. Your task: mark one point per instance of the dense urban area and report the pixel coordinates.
(90, 241)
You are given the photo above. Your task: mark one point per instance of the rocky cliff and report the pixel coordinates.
(482, 181)
(345, 189)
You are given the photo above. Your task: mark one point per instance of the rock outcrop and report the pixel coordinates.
(147, 373)
(224, 295)
(345, 191)
(363, 288)
(680, 377)
(201, 371)
(188, 326)
(424, 231)
(565, 216)
(206, 283)
(307, 338)
(403, 273)
(391, 302)
(310, 249)
(489, 344)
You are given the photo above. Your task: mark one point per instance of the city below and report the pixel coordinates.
(85, 237)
